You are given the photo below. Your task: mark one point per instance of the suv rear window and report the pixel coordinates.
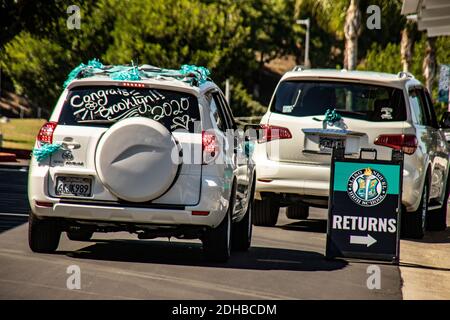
(105, 105)
(352, 100)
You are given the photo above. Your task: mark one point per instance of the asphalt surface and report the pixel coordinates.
(285, 262)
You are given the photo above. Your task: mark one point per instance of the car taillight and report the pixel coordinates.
(405, 142)
(210, 146)
(45, 135)
(270, 133)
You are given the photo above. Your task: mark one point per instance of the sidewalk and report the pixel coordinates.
(14, 157)
(425, 266)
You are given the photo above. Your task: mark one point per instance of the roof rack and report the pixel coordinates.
(194, 75)
(404, 74)
(299, 68)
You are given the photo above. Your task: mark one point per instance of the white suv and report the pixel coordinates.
(313, 109)
(150, 157)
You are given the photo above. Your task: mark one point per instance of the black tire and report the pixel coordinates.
(265, 212)
(43, 235)
(217, 241)
(437, 219)
(79, 235)
(299, 211)
(241, 236)
(414, 223)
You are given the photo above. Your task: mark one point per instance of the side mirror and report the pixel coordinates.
(445, 121)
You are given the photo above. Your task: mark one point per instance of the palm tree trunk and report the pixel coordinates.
(352, 31)
(429, 63)
(406, 46)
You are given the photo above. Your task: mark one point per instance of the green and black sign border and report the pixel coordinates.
(331, 250)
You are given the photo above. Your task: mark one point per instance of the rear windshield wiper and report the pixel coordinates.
(350, 112)
(344, 112)
(95, 121)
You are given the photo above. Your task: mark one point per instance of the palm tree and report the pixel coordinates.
(429, 63)
(352, 31)
(406, 46)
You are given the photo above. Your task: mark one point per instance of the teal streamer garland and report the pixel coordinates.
(84, 70)
(192, 74)
(199, 73)
(45, 151)
(126, 73)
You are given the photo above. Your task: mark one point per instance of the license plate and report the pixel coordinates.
(73, 186)
(326, 144)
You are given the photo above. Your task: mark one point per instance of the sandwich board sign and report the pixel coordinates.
(365, 207)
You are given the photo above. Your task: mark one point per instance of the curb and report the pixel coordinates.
(7, 157)
(19, 153)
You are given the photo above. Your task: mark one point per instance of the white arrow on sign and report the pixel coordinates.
(367, 240)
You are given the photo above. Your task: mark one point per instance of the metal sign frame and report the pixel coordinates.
(331, 250)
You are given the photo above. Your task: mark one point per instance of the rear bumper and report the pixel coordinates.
(213, 199)
(313, 180)
(125, 214)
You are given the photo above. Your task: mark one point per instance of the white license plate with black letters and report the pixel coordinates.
(326, 144)
(73, 186)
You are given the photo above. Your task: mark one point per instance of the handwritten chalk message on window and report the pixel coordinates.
(106, 105)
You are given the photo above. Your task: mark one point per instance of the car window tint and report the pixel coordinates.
(216, 113)
(228, 111)
(222, 110)
(430, 108)
(417, 108)
(106, 105)
(353, 100)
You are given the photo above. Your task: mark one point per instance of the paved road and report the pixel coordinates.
(285, 262)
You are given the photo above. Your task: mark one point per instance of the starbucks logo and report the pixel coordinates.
(367, 187)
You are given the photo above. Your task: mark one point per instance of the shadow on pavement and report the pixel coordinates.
(178, 253)
(310, 225)
(419, 266)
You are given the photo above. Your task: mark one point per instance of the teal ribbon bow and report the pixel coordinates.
(331, 117)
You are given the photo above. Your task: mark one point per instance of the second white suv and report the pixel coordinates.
(148, 156)
(313, 109)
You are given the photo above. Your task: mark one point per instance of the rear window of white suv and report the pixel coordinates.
(353, 100)
(105, 105)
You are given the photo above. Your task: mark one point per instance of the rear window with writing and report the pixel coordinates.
(103, 106)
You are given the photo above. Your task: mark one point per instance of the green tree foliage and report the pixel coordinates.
(224, 36)
(32, 62)
(234, 38)
(382, 59)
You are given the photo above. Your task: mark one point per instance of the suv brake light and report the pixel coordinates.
(405, 142)
(270, 133)
(210, 146)
(45, 134)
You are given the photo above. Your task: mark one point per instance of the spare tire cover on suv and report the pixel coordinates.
(133, 159)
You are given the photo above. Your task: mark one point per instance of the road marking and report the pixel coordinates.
(367, 240)
(13, 214)
(20, 169)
